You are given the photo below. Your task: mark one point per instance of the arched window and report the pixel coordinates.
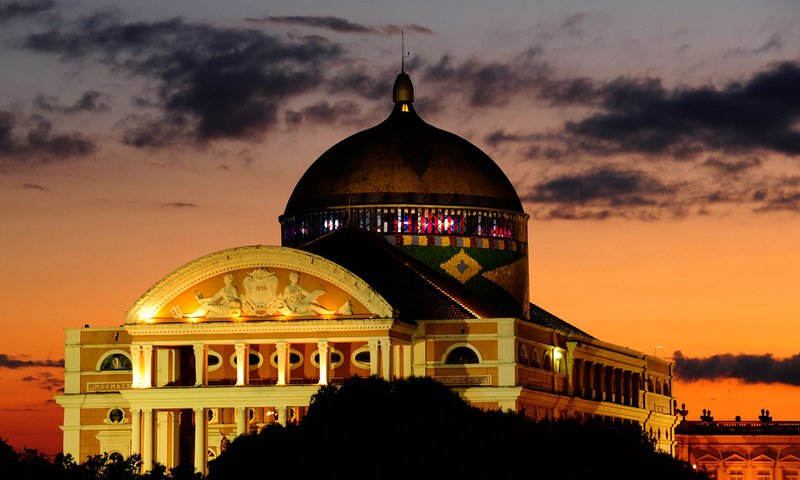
(535, 359)
(461, 355)
(649, 384)
(523, 355)
(666, 389)
(658, 386)
(114, 361)
(547, 364)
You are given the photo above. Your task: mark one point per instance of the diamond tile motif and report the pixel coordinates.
(461, 266)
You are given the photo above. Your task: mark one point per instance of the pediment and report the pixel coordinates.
(705, 455)
(258, 283)
(791, 454)
(763, 454)
(734, 457)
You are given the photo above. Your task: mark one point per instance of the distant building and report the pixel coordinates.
(405, 252)
(741, 450)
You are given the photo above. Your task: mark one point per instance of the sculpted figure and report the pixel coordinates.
(224, 303)
(300, 301)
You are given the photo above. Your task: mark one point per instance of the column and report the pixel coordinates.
(241, 363)
(397, 365)
(283, 354)
(241, 420)
(406, 360)
(282, 414)
(576, 385)
(386, 359)
(200, 364)
(162, 433)
(147, 359)
(373, 357)
(571, 366)
(601, 382)
(136, 365)
(200, 451)
(324, 362)
(589, 379)
(136, 431)
(147, 442)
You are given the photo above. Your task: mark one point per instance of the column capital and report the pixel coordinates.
(199, 346)
(323, 344)
(147, 348)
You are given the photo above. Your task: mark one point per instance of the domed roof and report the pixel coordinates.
(403, 160)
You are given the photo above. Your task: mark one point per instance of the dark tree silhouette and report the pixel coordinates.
(418, 428)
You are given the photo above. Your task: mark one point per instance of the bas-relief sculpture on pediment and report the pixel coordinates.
(260, 298)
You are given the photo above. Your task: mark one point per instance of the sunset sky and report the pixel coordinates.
(655, 145)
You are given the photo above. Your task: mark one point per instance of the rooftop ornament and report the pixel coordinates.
(681, 411)
(706, 416)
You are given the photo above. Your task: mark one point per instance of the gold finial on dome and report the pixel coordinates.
(403, 91)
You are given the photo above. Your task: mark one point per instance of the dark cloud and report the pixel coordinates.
(8, 361)
(602, 193)
(744, 367)
(341, 25)
(34, 186)
(322, 113)
(211, 83)
(90, 101)
(34, 139)
(733, 166)
(46, 380)
(497, 137)
(179, 205)
(9, 10)
(781, 195)
(641, 115)
(775, 42)
(489, 84)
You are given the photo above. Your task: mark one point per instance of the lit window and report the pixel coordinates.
(763, 475)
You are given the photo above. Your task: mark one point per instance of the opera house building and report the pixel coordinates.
(404, 252)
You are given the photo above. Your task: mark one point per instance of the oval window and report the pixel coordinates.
(336, 359)
(295, 359)
(361, 358)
